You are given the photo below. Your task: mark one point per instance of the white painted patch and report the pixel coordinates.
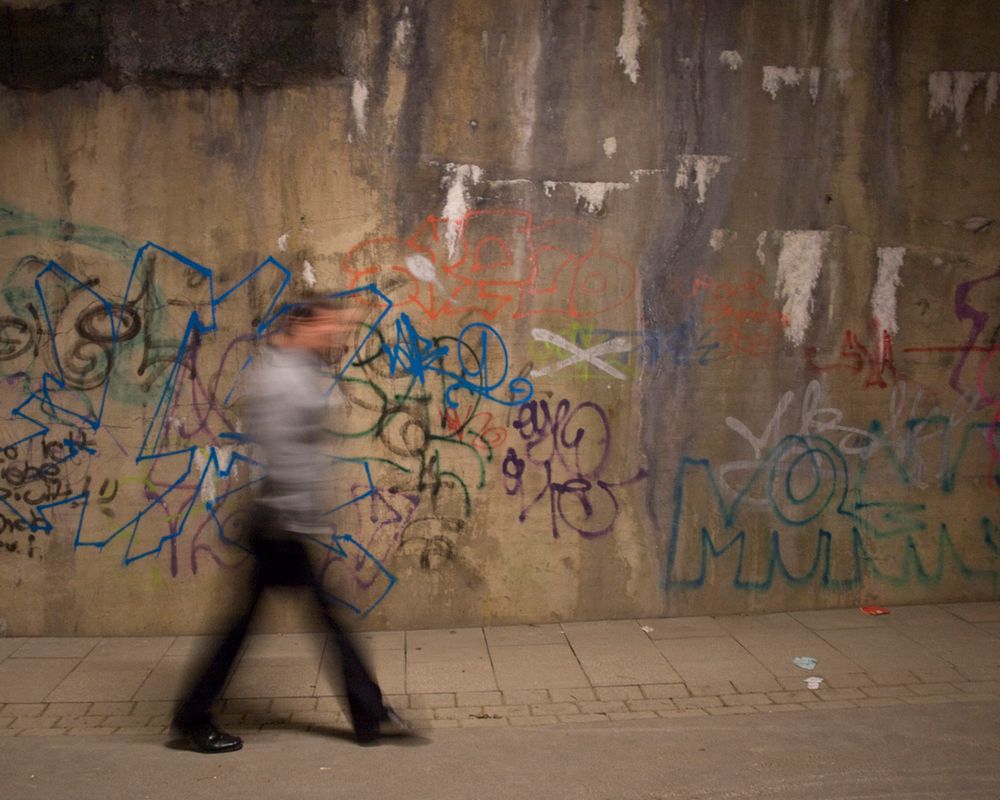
(776, 77)
(458, 178)
(890, 259)
(761, 241)
(308, 274)
(594, 193)
(422, 268)
(639, 173)
(590, 355)
(720, 238)
(610, 146)
(703, 168)
(359, 105)
(283, 242)
(732, 59)
(799, 265)
(208, 493)
(549, 187)
(950, 91)
(628, 44)
(404, 28)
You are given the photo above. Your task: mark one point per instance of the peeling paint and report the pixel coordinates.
(458, 179)
(283, 243)
(814, 76)
(704, 168)
(952, 90)
(776, 77)
(359, 103)
(594, 193)
(422, 268)
(761, 241)
(628, 44)
(890, 260)
(308, 274)
(799, 265)
(731, 58)
(610, 146)
(720, 238)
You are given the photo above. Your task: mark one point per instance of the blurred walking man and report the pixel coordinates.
(286, 413)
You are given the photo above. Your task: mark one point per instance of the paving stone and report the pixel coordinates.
(804, 696)
(397, 701)
(66, 709)
(620, 692)
(670, 690)
(974, 697)
(104, 709)
(98, 731)
(294, 704)
(458, 713)
(938, 675)
(43, 732)
(683, 703)
(992, 687)
(683, 712)
(571, 695)
(731, 710)
(442, 700)
(475, 722)
(420, 713)
(892, 677)
(850, 680)
(133, 721)
(840, 694)
(830, 705)
(718, 688)
(525, 696)
(583, 718)
(6, 721)
(24, 723)
(753, 699)
(478, 698)
(247, 705)
(932, 688)
(507, 711)
(601, 706)
(931, 699)
(651, 704)
(339, 703)
(545, 709)
(778, 708)
(624, 716)
(24, 709)
(887, 691)
(869, 702)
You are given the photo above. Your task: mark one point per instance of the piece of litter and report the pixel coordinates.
(804, 662)
(813, 682)
(646, 628)
(325, 769)
(874, 611)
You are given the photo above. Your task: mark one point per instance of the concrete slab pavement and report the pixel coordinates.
(522, 675)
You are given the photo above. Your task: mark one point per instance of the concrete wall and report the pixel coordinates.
(741, 256)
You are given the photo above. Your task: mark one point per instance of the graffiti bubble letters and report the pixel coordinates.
(566, 452)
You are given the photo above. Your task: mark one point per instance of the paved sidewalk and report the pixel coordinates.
(523, 675)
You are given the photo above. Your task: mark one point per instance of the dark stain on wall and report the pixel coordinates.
(160, 43)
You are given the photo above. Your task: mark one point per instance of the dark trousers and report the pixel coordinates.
(282, 560)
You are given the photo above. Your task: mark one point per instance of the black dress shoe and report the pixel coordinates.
(207, 738)
(390, 726)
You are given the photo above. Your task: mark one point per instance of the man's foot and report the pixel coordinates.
(392, 726)
(205, 737)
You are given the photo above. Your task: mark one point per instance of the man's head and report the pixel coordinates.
(322, 327)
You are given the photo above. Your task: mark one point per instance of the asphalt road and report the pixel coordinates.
(901, 752)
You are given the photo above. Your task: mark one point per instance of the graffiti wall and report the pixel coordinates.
(672, 308)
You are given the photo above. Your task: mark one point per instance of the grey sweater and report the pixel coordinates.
(286, 410)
